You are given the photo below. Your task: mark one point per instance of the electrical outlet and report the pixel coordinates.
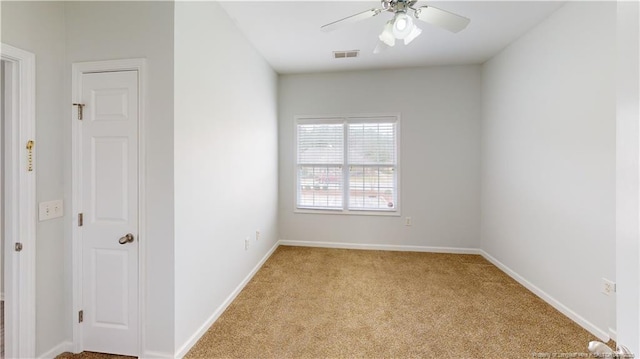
(257, 235)
(407, 221)
(608, 287)
(246, 244)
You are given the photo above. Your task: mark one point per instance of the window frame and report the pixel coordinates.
(345, 120)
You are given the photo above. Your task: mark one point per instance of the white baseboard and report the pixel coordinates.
(601, 334)
(613, 334)
(380, 247)
(57, 350)
(156, 355)
(184, 349)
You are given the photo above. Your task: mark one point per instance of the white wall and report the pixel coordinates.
(38, 27)
(548, 158)
(440, 124)
(628, 179)
(225, 163)
(118, 30)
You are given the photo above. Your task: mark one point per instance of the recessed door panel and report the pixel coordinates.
(110, 178)
(111, 296)
(110, 104)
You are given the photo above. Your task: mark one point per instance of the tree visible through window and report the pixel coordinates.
(347, 164)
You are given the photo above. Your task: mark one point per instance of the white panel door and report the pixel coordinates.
(109, 161)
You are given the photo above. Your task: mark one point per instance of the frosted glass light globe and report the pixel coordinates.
(402, 25)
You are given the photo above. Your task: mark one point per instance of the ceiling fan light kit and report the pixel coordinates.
(412, 35)
(387, 36)
(402, 26)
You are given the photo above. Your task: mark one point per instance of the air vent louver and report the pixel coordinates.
(346, 54)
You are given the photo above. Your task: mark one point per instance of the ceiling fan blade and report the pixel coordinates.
(444, 19)
(350, 19)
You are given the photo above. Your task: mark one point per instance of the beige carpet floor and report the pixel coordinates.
(333, 303)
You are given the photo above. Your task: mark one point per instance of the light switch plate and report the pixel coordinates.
(50, 210)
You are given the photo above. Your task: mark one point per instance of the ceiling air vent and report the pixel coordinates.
(345, 54)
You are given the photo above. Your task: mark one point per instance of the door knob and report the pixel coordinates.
(128, 238)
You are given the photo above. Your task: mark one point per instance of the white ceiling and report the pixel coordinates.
(287, 33)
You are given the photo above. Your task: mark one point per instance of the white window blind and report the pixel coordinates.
(347, 164)
(320, 163)
(372, 165)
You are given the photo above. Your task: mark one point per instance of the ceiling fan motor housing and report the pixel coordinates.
(397, 5)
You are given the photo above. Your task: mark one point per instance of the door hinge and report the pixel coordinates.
(80, 110)
(18, 247)
(80, 219)
(81, 316)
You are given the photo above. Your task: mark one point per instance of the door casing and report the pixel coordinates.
(78, 69)
(20, 198)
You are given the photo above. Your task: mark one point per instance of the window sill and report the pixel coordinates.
(395, 213)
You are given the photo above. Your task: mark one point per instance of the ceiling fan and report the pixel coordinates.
(401, 26)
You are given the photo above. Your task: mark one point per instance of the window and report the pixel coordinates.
(347, 164)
